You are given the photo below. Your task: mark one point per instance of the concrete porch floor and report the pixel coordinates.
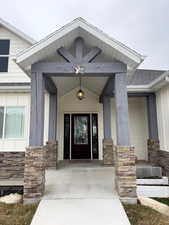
(80, 194)
(80, 180)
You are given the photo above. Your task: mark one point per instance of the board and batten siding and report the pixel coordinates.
(162, 99)
(138, 125)
(21, 99)
(70, 104)
(137, 113)
(14, 74)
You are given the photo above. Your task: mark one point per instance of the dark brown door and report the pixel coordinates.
(81, 136)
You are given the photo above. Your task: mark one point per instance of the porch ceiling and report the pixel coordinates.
(66, 84)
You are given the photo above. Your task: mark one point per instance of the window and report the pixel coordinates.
(4, 55)
(12, 122)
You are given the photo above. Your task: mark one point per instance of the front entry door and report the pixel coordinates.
(81, 148)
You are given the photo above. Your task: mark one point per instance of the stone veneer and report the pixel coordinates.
(108, 155)
(12, 165)
(158, 157)
(163, 157)
(153, 147)
(52, 154)
(34, 174)
(125, 173)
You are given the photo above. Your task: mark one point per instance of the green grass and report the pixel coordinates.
(142, 215)
(163, 200)
(16, 214)
(19, 214)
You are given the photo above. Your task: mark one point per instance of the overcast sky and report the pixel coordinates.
(140, 24)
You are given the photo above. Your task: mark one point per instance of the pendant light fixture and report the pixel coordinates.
(80, 94)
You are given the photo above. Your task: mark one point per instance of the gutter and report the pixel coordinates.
(153, 86)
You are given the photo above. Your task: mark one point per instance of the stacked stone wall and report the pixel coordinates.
(125, 171)
(51, 154)
(12, 165)
(108, 154)
(34, 174)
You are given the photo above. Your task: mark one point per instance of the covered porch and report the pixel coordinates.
(104, 67)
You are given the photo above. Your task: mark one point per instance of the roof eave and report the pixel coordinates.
(17, 31)
(79, 22)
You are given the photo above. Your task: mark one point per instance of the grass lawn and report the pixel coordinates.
(163, 200)
(16, 214)
(141, 215)
(19, 214)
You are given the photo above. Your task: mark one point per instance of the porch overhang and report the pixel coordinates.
(65, 36)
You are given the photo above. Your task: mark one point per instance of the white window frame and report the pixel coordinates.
(4, 122)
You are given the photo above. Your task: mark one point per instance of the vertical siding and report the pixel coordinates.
(70, 104)
(15, 74)
(138, 125)
(22, 99)
(162, 98)
(14, 99)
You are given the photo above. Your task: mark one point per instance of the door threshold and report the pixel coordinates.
(82, 160)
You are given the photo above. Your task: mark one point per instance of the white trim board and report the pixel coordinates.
(135, 57)
(16, 31)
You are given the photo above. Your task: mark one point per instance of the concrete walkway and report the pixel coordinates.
(80, 194)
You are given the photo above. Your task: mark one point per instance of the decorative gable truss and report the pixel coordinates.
(80, 63)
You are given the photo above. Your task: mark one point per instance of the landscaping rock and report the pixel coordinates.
(12, 198)
(160, 207)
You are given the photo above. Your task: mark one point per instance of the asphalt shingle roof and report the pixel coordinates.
(143, 77)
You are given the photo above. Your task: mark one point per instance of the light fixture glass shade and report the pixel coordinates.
(80, 94)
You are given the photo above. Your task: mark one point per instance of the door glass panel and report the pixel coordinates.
(66, 136)
(80, 130)
(95, 136)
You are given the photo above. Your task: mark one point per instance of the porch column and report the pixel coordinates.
(52, 144)
(52, 117)
(107, 141)
(107, 117)
(125, 168)
(122, 115)
(153, 141)
(34, 175)
(37, 110)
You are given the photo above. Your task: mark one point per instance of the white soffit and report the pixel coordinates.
(66, 84)
(66, 35)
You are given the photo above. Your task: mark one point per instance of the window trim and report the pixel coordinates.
(4, 123)
(6, 56)
(7, 64)
(8, 46)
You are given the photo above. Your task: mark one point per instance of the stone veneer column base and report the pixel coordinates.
(153, 148)
(51, 154)
(34, 174)
(108, 155)
(125, 172)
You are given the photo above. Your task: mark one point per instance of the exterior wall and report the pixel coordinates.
(15, 74)
(70, 104)
(21, 99)
(138, 125)
(12, 165)
(162, 99)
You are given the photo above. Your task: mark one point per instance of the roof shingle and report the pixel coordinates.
(144, 77)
